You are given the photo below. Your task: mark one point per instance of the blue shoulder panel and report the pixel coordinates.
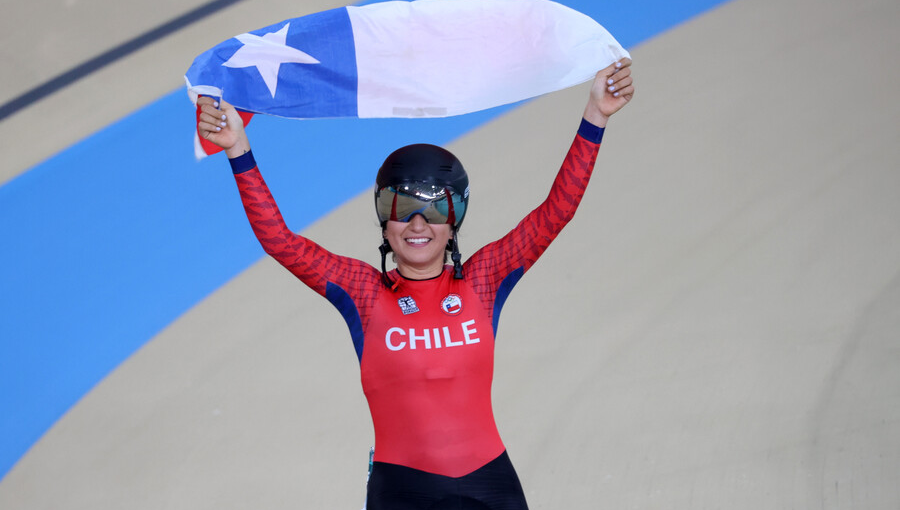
(344, 303)
(506, 286)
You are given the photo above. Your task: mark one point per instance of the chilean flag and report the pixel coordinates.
(425, 58)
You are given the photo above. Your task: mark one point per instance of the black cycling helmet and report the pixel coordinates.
(422, 179)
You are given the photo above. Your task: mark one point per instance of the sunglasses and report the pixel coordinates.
(438, 205)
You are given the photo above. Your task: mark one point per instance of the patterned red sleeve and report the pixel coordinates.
(312, 264)
(516, 252)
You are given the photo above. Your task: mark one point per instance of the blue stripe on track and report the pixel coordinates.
(107, 243)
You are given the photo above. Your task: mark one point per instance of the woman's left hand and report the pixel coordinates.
(613, 88)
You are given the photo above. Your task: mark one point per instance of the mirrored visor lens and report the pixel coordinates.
(437, 205)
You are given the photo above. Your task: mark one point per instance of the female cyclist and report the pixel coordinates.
(424, 332)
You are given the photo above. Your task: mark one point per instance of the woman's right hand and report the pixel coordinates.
(221, 125)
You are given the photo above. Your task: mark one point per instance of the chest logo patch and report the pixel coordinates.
(407, 305)
(452, 304)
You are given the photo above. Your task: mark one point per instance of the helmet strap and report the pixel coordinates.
(384, 249)
(455, 257)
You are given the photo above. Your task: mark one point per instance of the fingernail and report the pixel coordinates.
(611, 89)
(609, 81)
(216, 104)
(218, 128)
(224, 117)
(618, 64)
(616, 94)
(222, 124)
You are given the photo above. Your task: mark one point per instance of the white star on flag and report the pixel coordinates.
(267, 53)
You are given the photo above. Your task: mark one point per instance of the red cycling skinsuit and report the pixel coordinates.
(426, 350)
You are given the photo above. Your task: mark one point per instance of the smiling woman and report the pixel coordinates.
(418, 247)
(424, 332)
(421, 198)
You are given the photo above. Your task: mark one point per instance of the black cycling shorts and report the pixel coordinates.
(494, 486)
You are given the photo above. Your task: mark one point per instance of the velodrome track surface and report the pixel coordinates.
(716, 329)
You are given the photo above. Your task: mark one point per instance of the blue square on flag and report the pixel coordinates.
(301, 68)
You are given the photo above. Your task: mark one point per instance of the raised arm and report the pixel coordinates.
(312, 264)
(505, 260)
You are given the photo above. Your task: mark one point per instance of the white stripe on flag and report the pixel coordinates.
(435, 58)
